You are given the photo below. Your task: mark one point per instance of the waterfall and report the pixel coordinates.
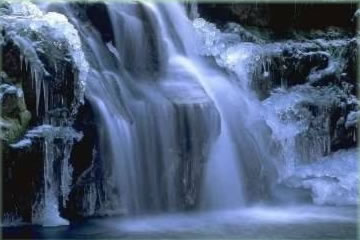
(175, 131)
(147, 113)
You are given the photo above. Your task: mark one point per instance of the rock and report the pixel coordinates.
(22, 175)
(247, 14)
(15, 117)
(282, 18)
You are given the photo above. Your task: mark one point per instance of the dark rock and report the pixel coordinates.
(22, 174)
(282, 18)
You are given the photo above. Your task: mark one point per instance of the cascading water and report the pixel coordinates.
(164, 112)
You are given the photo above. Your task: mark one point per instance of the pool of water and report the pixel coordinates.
(301, 222)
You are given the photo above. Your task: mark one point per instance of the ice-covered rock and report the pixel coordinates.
(210, 37)
(24, 8)
(43, 79)
(332, 180)
(307, 121)
(34, 32)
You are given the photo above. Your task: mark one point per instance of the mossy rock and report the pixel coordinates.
(15, 117)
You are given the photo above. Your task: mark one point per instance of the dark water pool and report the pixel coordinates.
(306, 222)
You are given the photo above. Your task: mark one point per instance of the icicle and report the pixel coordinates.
(90, 198)
(56, 68)
(26, 64)
(46, 96)
(66, 173)
(38, 83)
(51, 215)
(1, 56)
(354, 135)
(10, 220)
(21, 62)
